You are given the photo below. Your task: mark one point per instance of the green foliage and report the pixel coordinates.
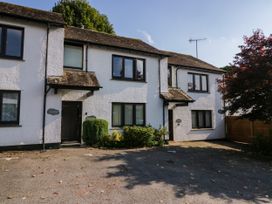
(80, 13)
(136, 136)
(94, 130)
(263, 144)
(159, 135)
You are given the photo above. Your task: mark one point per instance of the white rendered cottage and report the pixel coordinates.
(52, 77)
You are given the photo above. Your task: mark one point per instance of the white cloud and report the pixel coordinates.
(147, 36)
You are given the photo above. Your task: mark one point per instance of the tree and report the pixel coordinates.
(247, 87)
(227, 68)
(80, 13)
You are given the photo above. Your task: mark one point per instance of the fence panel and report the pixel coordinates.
(243, 130)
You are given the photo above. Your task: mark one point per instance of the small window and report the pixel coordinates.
(11, 42)
(201, 119)
(9, 107)
(128, 68)
(197, 82)
(128, 114)
(73, 56)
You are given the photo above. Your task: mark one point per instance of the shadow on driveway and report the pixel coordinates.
(222, 171)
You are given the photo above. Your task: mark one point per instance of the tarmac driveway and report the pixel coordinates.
(192, 172)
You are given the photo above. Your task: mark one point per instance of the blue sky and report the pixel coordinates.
(169, 24)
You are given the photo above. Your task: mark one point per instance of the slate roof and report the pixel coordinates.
(176, 95)
(79, 80)
(190, 61)
(104, 39)
(7, 9)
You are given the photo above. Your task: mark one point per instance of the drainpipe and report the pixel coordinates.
(86, 57)
(163, 104)
(45, 88)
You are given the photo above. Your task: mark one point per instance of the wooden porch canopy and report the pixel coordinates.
(176, 95)
(76, 80)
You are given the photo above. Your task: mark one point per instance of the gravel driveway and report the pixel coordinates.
(191, 172)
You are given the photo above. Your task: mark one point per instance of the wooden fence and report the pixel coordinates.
(243, 130)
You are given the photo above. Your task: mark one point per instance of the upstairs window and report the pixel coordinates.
(9, 107)
(11, 42)
(73, 56)
(197, 82)
(128, 68)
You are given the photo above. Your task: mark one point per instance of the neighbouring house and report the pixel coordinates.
(193, 101)
(53, 76)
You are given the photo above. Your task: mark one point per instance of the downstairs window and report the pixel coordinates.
(9, 107)
(128, 114)
(201, 119)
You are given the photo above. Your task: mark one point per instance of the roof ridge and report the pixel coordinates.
(26, 7)
(101, 32)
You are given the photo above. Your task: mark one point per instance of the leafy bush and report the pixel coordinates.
(159, 135)
(94, 130)
(135, 136)
(263, 144)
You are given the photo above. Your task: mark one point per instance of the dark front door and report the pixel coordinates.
(71, 121)
(170, 124)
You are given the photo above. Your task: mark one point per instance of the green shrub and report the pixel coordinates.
(94, 130)
(263, 144)
(159, 135)
(135, 136)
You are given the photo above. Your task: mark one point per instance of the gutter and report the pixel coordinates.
(45, 88)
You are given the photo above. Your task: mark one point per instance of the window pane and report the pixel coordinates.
(201, 119)
(129, 114)
(208, 119)
(73, 56)
(169, 76)
(129, 68)
(140, 69)
(9, 107)
(116, 115)
(197, 82)
(190, 82)
(14, 42)
(139, 114)
(194, 119)
(204, 83)
(117, 66)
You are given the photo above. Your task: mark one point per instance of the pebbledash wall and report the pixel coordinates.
(203, 101)
(27, 76)
(100, 103)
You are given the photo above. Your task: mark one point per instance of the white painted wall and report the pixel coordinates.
(203, 101)
(99, 105)
(27, 75)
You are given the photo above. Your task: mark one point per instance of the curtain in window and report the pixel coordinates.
(129, 68)
(117, 115)
(139, 114)
(129, 114)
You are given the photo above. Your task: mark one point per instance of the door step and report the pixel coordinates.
(70, 144)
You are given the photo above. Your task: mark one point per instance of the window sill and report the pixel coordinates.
(12, 58)
(9, 125)
(201, 129)
(191, 91)
(129, 80)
